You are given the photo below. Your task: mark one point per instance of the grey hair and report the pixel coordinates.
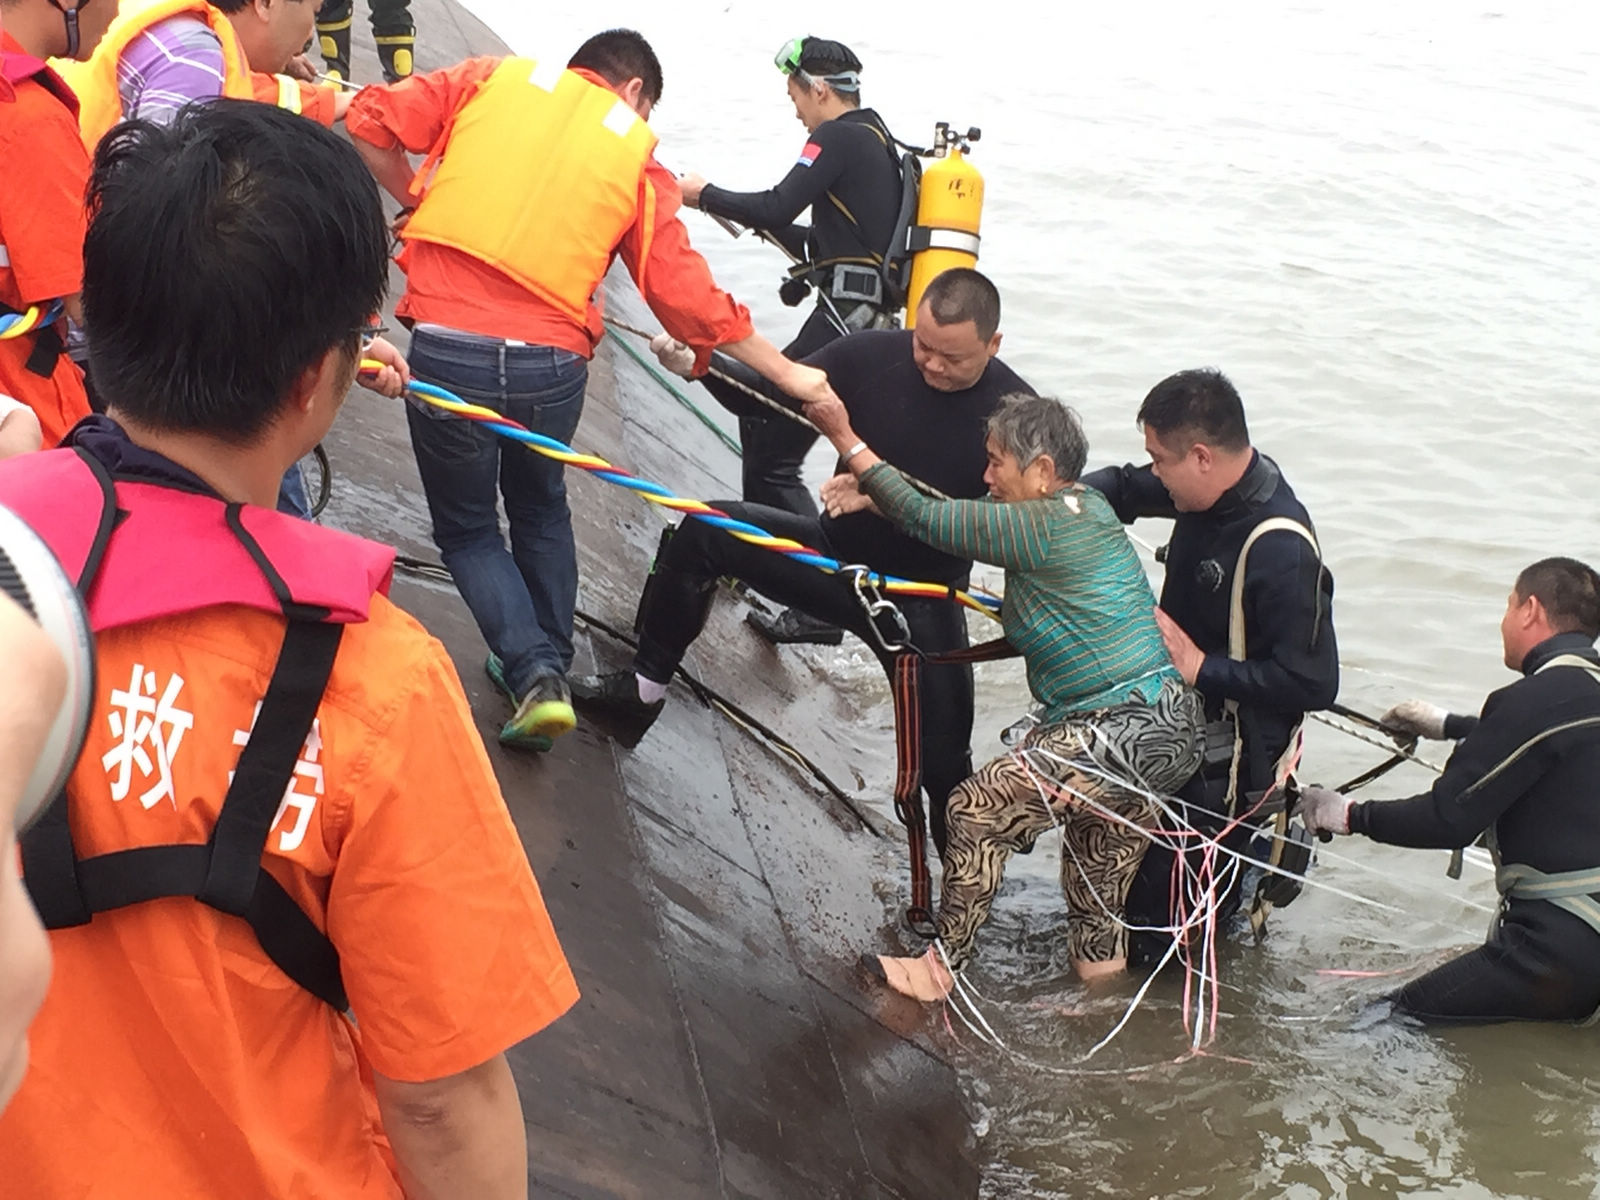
(1029, 426)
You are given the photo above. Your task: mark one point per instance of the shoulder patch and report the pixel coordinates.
(808, 154)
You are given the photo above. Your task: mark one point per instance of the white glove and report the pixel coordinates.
(674, 355)
(1417, 717)
(1325, 810)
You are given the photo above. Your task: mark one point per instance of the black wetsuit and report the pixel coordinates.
(848, 174)
(1536, 787)
(936, 436)
(1291, 663)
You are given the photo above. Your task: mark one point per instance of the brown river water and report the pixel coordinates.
(1381, 220)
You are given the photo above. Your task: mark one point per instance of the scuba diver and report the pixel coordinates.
(1523, 775)
(392, 30)
(1246, 612)
(849, 175)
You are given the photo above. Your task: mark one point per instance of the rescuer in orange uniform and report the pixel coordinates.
(294, 928)
(41, 200)
(537, 176)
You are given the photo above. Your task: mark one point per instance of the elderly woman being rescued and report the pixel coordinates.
(1079, 609)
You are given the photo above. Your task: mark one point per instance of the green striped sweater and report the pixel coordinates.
(1077, 606)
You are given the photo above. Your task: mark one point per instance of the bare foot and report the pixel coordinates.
(924, 978)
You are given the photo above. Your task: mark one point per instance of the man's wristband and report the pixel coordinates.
(852, 452)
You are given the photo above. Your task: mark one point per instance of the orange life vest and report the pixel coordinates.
(95, 81)
(539, 174)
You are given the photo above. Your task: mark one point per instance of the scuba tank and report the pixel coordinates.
(949, 212)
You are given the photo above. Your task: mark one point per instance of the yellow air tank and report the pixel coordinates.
(949, 211)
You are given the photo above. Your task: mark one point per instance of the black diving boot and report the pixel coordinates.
(792, 627)
(397, 52)
(613, 699)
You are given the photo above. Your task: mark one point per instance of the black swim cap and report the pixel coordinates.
(820, 57)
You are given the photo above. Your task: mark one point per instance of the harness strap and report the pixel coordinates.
(1569, 890)
(226, 872)
(905, 680)
(908, 806)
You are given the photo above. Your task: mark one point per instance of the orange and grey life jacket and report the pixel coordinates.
(141, 551)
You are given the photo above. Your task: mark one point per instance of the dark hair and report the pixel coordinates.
(227, 253)
(228, 6)
(1029, 426)
(820, 58)
(961, 294)
(618, 55)
(1569, 591)
(1196, 406)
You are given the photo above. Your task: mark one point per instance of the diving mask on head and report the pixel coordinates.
(788, 58)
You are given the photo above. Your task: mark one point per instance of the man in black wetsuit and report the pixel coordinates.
(1261, 663)
(1527, 772)
(848, 175)
(923, 399)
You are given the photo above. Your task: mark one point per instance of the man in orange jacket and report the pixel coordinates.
(537, 177)
(41, 204)
(294, 928)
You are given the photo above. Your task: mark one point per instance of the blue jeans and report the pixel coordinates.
(523, 600)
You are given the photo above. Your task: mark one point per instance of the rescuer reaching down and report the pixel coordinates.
(538, 174)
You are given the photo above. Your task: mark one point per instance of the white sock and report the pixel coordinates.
(649, 690)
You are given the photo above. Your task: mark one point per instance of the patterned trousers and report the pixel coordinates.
(1000, 810)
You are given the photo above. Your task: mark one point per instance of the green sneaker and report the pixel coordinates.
(496, 671)
(545, 713)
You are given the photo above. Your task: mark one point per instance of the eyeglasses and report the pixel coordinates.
(787, 59)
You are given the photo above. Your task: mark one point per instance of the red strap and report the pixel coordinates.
(907, 672)
(982, 652)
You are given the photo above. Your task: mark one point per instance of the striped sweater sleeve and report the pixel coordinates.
(1013, 536)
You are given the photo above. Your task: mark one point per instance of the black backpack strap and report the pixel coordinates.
(236, 882)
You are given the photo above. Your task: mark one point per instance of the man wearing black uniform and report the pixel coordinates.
(848, 175)
(923, 399)
(1260, 651)
(1527, 772)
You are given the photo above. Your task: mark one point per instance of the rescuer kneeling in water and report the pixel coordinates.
(1526, 775)
(294, 928)
(1079, 608)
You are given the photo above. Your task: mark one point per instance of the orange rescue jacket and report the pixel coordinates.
(540, 174)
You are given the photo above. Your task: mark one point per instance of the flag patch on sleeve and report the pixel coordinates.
(808, 155)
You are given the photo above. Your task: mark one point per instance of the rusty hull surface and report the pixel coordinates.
(711, 897)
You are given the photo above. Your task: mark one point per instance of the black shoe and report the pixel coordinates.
(614, 699)
(792, 627)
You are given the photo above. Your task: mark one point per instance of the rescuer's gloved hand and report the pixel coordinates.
(1416, 717)
(674, 355)
(1325, 811)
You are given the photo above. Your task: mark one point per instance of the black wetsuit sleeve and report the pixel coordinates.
(1471, 794)
(1459, 725)
(1287, 610)
(1134, 492)
(833, 357)
(777, 207)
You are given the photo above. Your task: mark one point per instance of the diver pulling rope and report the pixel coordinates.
(448, 401)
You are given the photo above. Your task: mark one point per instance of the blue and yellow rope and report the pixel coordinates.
(449, 402)
(15, 325)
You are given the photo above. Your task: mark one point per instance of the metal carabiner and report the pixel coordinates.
(874, 605)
